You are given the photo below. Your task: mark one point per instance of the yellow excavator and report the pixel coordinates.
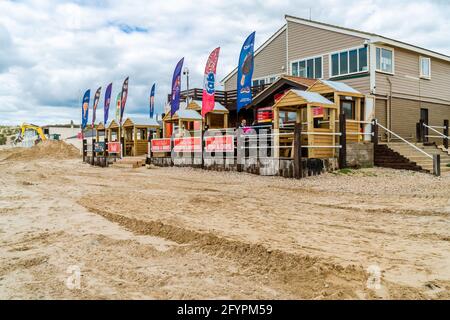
(27, 126)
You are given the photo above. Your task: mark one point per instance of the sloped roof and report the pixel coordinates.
(143, 121)
(296, 82)
(188, 114)
(218, 107)
(340, 86)
(311, 97)
(300, 80)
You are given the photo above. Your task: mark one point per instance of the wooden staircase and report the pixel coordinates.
(421, 159)
(130, 162)
(385, 157)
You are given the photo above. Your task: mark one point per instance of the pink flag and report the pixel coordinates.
(209, 82)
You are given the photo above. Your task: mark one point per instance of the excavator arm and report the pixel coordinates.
(33, 127)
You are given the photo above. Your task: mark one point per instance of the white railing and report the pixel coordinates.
(433, 128)
(405, 141)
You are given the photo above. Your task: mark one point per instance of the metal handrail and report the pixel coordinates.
(407, 142)
(441, 134)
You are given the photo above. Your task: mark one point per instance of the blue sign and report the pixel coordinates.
(176, 88)
(85, 109)
(152, 101)
(245, 73)
(107, 102)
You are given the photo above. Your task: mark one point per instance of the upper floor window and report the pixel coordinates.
(266, 80)
(425, 67)
(385, 60)
(307, 68)
(348, 62)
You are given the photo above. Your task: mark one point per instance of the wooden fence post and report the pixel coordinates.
(93, 152)
(150, 137)
(437, 164)
(418, 134)
(203, 147)
(298, 174)
(343, 141)
(84, 150)
(446, 134)
(105, 152)
(374, 132)
(422, 131)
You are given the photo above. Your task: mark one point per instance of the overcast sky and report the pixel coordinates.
(51, 51)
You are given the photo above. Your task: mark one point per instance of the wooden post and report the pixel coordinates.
(150, 154)
(106, 151)
(225, 120)
(276, 131)
(343, 142)
(437, 164)
(374, 132)
(203, 147)
(134, 141)
(446, 134)
(418, 134)
(358, 116)
(239, 151)
(93, 152)
(422, 131)
(310, 128)
(298, 151)
(332, 120)
(84, 150)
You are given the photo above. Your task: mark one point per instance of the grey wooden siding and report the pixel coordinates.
(269, 61)
(405, 82)
(305, 41)
(380, 114)
(405, 114)
(231, 84)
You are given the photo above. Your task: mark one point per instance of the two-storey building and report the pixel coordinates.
(402, 83)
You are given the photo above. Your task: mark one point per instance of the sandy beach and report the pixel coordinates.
(180, 233)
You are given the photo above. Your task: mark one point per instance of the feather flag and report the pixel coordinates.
(118, 103)
(106, 105)
(209, 82)
(124, 98)
(245, 73)
(176, 88)
(152, 100)
(85, 109)
(94, 107)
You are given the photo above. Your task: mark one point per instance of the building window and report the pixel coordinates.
(348, 109)
(262, 81)
(308, 68)
(425, 67)
(385, 60)
(348, 62)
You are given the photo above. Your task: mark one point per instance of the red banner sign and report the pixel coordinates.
(161, 145)
(264, 114)
(219, 143)
(187, 144)
(317, 112)
(114, 147)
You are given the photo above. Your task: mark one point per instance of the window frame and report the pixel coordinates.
(381, 52)
(422, 76)
(266, 79)
(338, 52)
(291, 63)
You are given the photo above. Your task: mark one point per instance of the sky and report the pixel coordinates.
(51, 51)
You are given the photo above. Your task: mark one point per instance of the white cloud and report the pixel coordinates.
(51, 51)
